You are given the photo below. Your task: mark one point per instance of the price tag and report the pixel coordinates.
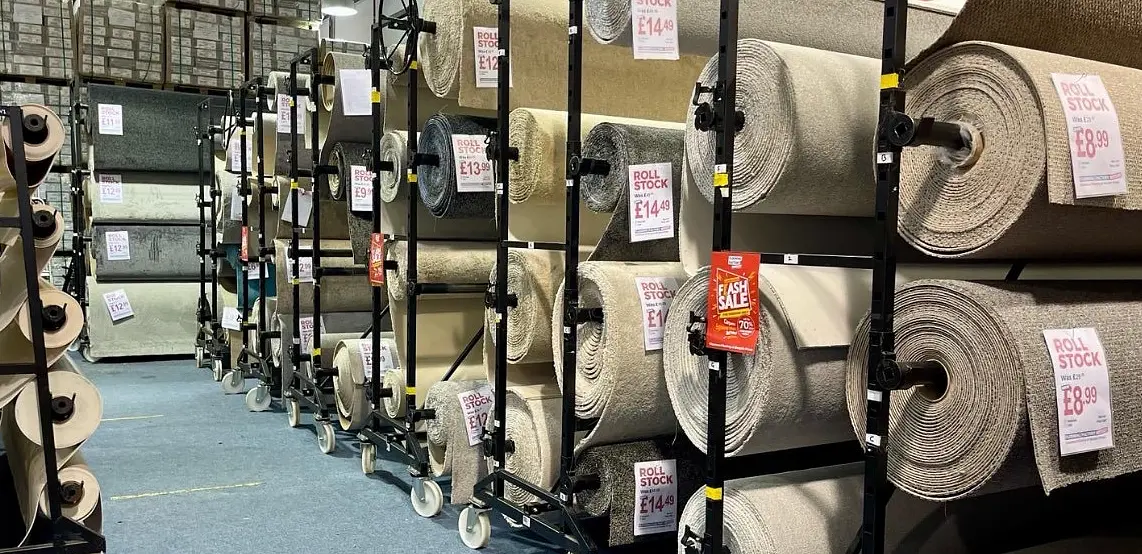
(283, 115)
(361, 188)
(1082, 390)
(476, 405)
(118, 305)
(110, 188)
(111, 119)
(1097, 161)
(304, 268)
(473, 168)
(655, 25)
(651, 202)
(487, 48)
(377, 259)
(236, 202)
(733, 305)
(244, 254)
(655, 295)
(230, 318)
(386, 361)
(254, 271)
(306, 332)
(356, 91)
(656, 497)
(118, 245)
(304, 207)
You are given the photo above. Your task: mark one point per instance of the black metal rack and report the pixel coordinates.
(210, 349)
(75, 279)
(67, 534)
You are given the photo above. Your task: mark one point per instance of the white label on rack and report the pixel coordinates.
(304, 207)
(792, 259)
(111, 119)
(883, 158)
(231, 318)
(655, 294)
(254, 271)
(655, 27)
(361, 188)
(110, 188)
(118, 245)
(477, 404)
(283, 116)
(1082, 390)
(236, 201)
(118, 305)
(356, 91)
(651, 202)
(386, 361)
(1097, 161)
(473, 169)
(304, 267)
(656, 497)
(306, 332)
(487, 49)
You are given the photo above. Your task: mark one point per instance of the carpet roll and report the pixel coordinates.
(448, 449)
(263, 136)
(155, 135)
(16, 338)
(352, 360)
(438, 182)
(1012, 193)
(623, 145)
(154, 197)
(617, 380)
(336, 326)
(279, 81)
(533, 415)
(13, 282)
(156, 252)
(163, 324)
(439, 262)
(806, 147)
(533, 277)
(344, 156)
(394, 149)
(837, 25)
(989, 339)
(40, 149)
(339, 293)
(335, 125)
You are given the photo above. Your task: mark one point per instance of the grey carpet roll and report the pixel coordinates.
(343, 156)
(810, 125)
(438, 185)
(533, 277)
(334, 222)
(339, 293)
(163, 324)
(230, 227)
(448, 449)
(394, 149)
(1013, 194)
(147, 197)
(158, 252)
(154, 135)
(989, 339)
(439, 262)
(617, 380)
(533, 414)
(335, 125)
(622, 146)
(838, 25)
(39, 153)
(353, 371)
(279, 81)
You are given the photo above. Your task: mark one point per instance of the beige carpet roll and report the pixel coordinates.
(533, 414)
(352, 359)
(64, 381)
(995, 425)
(517, 374)
(334, 220)
(439, 262)
(40, 150)
(810, 125)
(16, 338)
(448, 450)
(1013, 194)
(348, 293)
(13, 280)
(618, 381)
(335, 125)
(265, 133)
(533, 277)
(650, 89)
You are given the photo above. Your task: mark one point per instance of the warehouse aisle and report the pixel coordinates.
(186, 469)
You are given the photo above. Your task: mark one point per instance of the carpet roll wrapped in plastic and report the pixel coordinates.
(989, 340)
(619, 381)
(533, 414)
(1011, 194)
(448, 450)
(348, 157)
(533, 277)
(335, 125)
(44, 136)
(352, 359)
(341, 293)
(439, 188)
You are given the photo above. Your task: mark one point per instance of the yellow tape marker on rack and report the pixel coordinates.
(410, 390)
(376, 96)
(414, 64)
(292, 185)
(316, 351)
(291, 103)
(890, 80)
(714, 494)
(296, 282)
(411, 176)
(721, 179)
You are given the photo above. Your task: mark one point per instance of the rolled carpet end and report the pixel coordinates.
(533, 415)
(440, 189)
(448, 448)
(533, 277)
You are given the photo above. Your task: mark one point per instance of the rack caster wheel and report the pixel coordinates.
(199, 356)
(74, 346)
(475, 528)
(326, 439)
(233, 382)
(258, 398)
(216, 369)
(368, 458)
(427, 498)
(86, 353)
(293, 412)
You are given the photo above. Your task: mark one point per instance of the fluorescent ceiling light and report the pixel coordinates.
(338, 8)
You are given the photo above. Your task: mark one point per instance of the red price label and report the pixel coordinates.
(733, 305)
(377, 259)
(656, 503)
(651, 26)
(245, 244)
(1088, 142)
(1076, 399)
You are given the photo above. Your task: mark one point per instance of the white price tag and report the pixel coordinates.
(236, 201)
(487, 50)
(655, 294)
(283, 115)
(306, 332)
(118, 305)
(656, 497)
(361, 189)
(304, 207)
(386, 361)
(356, 91)
(1097, 161)
(111, 119)
(655, 26)
(651, 202)
(254, 271)
(1082, 390)
(476, 404)
(118, 245)
(304, 267)
(473, 169)
(110, 188)
(231, 318)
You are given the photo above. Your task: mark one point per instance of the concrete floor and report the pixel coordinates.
(186, 469)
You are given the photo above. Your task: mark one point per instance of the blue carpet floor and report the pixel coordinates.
(187, 469)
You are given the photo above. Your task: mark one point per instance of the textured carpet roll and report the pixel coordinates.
(838, 25)
(995, 426)
(533, 277)
(448, 449)
(1013, 194)
(624, 145)
(163, 324)
(279, 81)
(39, 151)
(154, 137)
(439, 262)
(533, 426)
(617, 380)
(337, 327)
(438, 184)
(157, 252)
(16, 338)
(151, 197)
(335, 125)
(339, 293)
(334, 222)
(343, 156)
(394, 149)
(805, 148)
(352, 374)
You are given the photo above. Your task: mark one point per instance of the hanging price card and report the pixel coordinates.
(655, 25)
(356, 91)
(1097, 161)
(655, 294)
(487, 47)
(732, 302)
(283, 115)
(305, 330)
(473, 168)
(1082, 390)
(245, 252)
(118, 245)
(304, 207)
(656, 497)
(377, 259)
(236, 202)
(304, 269)
(118, 306)
(651, 202)
(231, 318)
(111, 119)
(476, 404)
(110, 188)
(254, 271)
(361, 188)
(386, 361)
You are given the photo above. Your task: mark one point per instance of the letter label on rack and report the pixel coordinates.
(1082, 390)
(304, 207)
(1097, 160)
(476, 405)
(230, 318)
(656, 497)
(487, 47)
(655, 294)
(473, 169)
(651, 202)
(733, 304)
(356, 91)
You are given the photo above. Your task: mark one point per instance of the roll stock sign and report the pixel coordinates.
(733, 304)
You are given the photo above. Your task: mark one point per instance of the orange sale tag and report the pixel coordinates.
(377, 259)
(733, 305)
(245, 244)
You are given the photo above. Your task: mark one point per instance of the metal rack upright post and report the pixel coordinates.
(207, 312)
(75, 281)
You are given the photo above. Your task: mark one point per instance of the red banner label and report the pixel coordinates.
(245, 244)
(377, 259)
(733, 305)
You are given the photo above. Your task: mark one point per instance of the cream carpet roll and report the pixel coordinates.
(40, 148)
(13, 281)
(64, 381)
(650, 89)
(264, 133)
(163, 324)
(537, 373)
(533, 277)
(350, 358)
(348, 293)
(533, 414)
(617, 380)
(438, 183)
(989, 340)
(1012, 194)
(16, 339)
(334, 223)
(810, 125)
(439, 262)
(335, 125)
(448, 449)
(336, 326)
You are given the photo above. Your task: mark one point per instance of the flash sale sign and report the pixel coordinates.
(1082, 390)
(733, 302)
(651, 201)
(1097, 159)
